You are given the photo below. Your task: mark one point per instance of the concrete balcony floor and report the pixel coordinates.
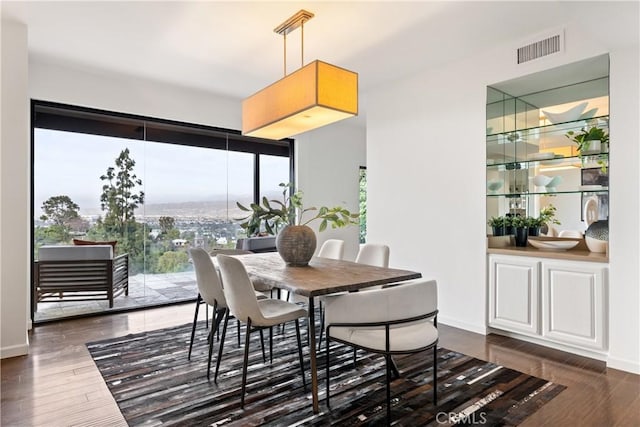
(145, 290)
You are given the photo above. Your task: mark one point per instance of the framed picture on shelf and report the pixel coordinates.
(603, 205)
(594, 176)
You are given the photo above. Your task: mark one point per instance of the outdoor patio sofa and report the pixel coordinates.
(80, 273)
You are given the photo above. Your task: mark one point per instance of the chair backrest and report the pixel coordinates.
(410, 300)
(241, 297)
(373, 254)
(332, 248)
(75, 253)
(207, 278)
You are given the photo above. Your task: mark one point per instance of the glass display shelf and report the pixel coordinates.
(603, 190)
(600, 121)
(585, 161)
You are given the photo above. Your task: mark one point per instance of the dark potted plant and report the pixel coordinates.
(295, 241)
(508, 224)
(521, 225)
(497, 225)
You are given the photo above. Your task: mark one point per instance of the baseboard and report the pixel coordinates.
(14, 350)
(462, 325)
(631, 366)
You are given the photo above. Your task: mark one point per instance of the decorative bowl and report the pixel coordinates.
(588, 114)
(573, 113)
(555, 181)
(541, 180)
(494, 185)
(554, 245)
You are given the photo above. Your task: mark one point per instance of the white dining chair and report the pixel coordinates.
(211, 293)
(332, 248)
(395, 320)
(373, 254)
(256, 314)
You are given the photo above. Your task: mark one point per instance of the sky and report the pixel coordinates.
(67, 163)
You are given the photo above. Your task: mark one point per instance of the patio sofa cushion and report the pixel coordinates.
(74, 253)
(80, 242)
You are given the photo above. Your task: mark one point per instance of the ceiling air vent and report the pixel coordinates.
(544, 47)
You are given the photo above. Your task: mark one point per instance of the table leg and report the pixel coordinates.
(312, 356)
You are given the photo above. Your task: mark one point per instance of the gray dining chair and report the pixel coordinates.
(256, 314)
(389, 321)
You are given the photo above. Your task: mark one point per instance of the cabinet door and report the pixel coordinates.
(574, 296)
(514, 294)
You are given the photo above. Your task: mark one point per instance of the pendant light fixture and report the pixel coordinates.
(315, 95)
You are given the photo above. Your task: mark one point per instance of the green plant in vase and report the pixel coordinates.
(295, 241)
(586, 138)
(497, 225)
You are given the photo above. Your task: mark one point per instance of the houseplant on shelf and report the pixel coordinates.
(521, 225)
(590, 142)
(497, 225)
(295, 241)
(545, 218)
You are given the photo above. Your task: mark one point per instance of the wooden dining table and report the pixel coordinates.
(322, 276)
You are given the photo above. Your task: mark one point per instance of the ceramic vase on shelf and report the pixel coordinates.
(597, 235)
(296, 244)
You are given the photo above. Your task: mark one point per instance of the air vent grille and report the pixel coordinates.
(540, 48)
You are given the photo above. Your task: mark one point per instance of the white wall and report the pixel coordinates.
(426, 176)
(14, 193)
(328, 164)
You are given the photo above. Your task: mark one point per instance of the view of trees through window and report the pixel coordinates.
(155, 199)
(363, 204)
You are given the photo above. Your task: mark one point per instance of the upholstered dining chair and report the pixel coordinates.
(256, 314)
(404, 321)
(373, 254)
(211, 293)
(332, 248)
(370, 254)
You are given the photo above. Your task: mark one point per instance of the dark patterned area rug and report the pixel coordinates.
(154, 384)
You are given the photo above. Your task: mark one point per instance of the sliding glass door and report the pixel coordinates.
(154, 188)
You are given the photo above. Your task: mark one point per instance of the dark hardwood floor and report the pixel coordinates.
(57, 384)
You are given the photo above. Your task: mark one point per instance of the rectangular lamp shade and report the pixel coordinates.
(312, 96)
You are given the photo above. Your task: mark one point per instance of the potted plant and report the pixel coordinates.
(295, 241)
(592, 141)
(497, 225)
(546, 217)
(508, 224)
(521, 225)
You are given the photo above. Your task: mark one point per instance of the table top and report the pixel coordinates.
(322, 276)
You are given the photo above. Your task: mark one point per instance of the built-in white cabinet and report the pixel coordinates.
(514, 294)
(551, 300)
(573, 301)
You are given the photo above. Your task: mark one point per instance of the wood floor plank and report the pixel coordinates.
(59, 381)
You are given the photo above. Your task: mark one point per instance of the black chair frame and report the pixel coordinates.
(387, 352)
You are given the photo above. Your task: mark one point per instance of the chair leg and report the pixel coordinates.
(193, 329)
(304, 382)
(388, 363)
(245, 363)
(224, 333)
(271, 344)
(238, 324)
(217, 319)
(355, 354)
(321, 326)
(435, 374)
(264, 354)
(327, 361)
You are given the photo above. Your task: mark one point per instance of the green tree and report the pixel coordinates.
(363, 205)
(167, 223)
(173, 261)
(120, 197)
(62, 213)
(60, 210)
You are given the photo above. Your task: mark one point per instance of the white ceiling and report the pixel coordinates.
(230, 48)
